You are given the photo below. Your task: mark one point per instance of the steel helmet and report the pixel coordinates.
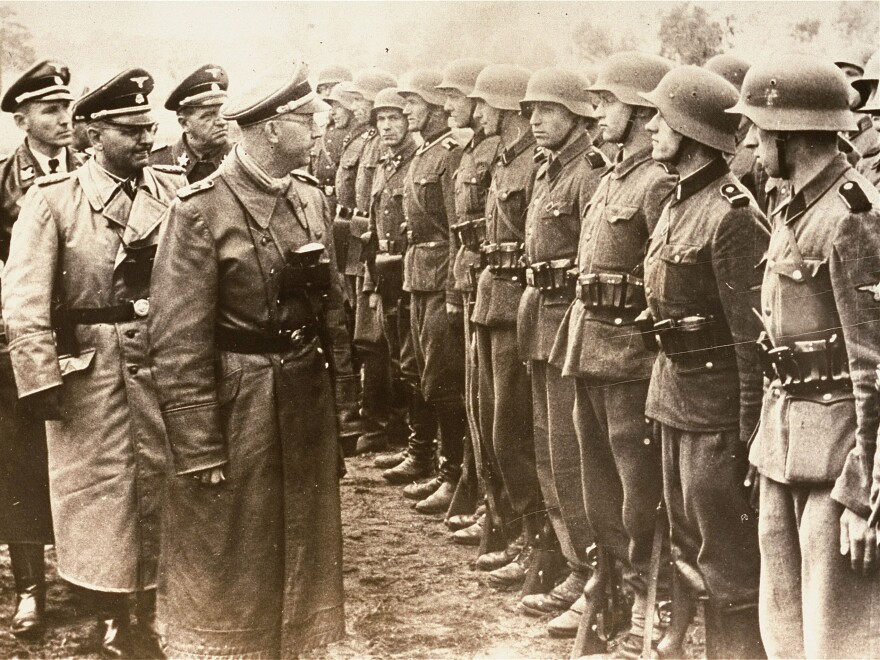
(423, 83)
(868, 82)
(333, 74)
(630, 73)
(553, 85)
(385, 99)
(342, 93)
(796, 92)
(370, 82)
(693, 101)
(730, 67)
(461, 75)
(855, 55)
(501, 86)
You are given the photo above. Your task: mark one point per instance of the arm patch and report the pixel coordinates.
(854, 197)
(734, 196)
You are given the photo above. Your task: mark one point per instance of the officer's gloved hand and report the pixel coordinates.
(858, 539)
(42, 406)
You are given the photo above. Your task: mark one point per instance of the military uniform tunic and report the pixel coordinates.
(621, 474)
(252, 567)
(180, 154)
(702, 262)
(505, 403)
(562, 189)
(815, 449)
(107, 453)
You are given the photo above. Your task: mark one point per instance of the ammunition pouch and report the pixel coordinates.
(305, 272)
(819, 365)
(691, 342)
(137, 267)
(471, 233)
(616, 292)
(505, 260)
(391, 248)
(552, 277)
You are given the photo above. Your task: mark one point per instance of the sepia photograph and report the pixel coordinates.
(439, 329)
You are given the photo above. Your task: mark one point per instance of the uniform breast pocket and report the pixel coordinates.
(620, 239)
(512, 203)
(428, 191)
(684, 272)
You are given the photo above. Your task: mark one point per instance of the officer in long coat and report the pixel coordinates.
(245, 282)
(40, 103)
(205, 138)
(701, 282)
(815, 446)
(76, 301)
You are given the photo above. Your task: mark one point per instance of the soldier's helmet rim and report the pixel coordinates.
(561, 86)
(630, 73)
(461, 75)
(422, 83)
(502, 86)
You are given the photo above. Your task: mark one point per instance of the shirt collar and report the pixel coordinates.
(255, 188)
(575, 147)
(796, 206)
(623, 166)
(43, 160)
(431, 140)
(107, 185)
(695, 182)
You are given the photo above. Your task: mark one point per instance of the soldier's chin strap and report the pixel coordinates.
(780, 140)
(629, 124)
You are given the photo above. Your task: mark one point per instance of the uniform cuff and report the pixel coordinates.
(195, 438)
(851, 489)
(35, 362)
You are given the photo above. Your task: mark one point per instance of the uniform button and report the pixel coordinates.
(676, 258)
(131, 334)
(133, 369)
(647, 289)
(387, 234)
(473, 179)
(709, 365)
(264, 240)
(826, 396)
(423, 181)
(555, 213)
(618, 321)
(271, 271)
(386, 211)
(798, 275)
(282, 361)
(647, 441)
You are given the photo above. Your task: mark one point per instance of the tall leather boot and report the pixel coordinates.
(146, 640)
(453, 426)
(113, 627)
(733, 633)
(29, 573)
(464, 499)
(419, 461)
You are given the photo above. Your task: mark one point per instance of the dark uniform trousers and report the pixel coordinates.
(815, 450)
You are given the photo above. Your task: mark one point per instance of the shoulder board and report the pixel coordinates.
(169, 169)
(854, 197)
(197, 187)
(159, 147)
(734, 196)
(595, 158)
(371, 132)
(449, 144)
(305, 178)
(49, 179)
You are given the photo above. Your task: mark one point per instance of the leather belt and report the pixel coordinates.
(347, 213)
(471, 233)
(818, 365)
(692, 341)
(612, 291)
(505, 260)
(552, 277)
(387, 246)
(123, 313)
(245, 341)
(413, 242)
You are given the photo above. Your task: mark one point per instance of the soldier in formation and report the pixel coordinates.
(568, 335)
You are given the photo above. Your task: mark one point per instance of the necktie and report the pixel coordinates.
(130, 188)
(53, 165)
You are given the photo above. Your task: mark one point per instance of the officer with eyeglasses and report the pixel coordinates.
(76, 298)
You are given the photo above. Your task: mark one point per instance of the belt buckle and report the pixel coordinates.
(297, 337)
(141, 307)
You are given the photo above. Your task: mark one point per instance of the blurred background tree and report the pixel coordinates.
(688, 34)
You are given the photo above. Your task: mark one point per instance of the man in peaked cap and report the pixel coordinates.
(76, 315)
(40, 104)
(245, 287)
(205, 139)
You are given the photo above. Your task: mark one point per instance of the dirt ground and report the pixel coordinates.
(410, 592)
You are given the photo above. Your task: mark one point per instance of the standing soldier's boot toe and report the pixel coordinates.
(29, 607)
(512, 575)
(413, 467)
(420, 490)
(438, 501)
(388, 461)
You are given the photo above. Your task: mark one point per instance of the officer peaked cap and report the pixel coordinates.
(125, 94)
(44, 81)
(205, 86)
(283, 90)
